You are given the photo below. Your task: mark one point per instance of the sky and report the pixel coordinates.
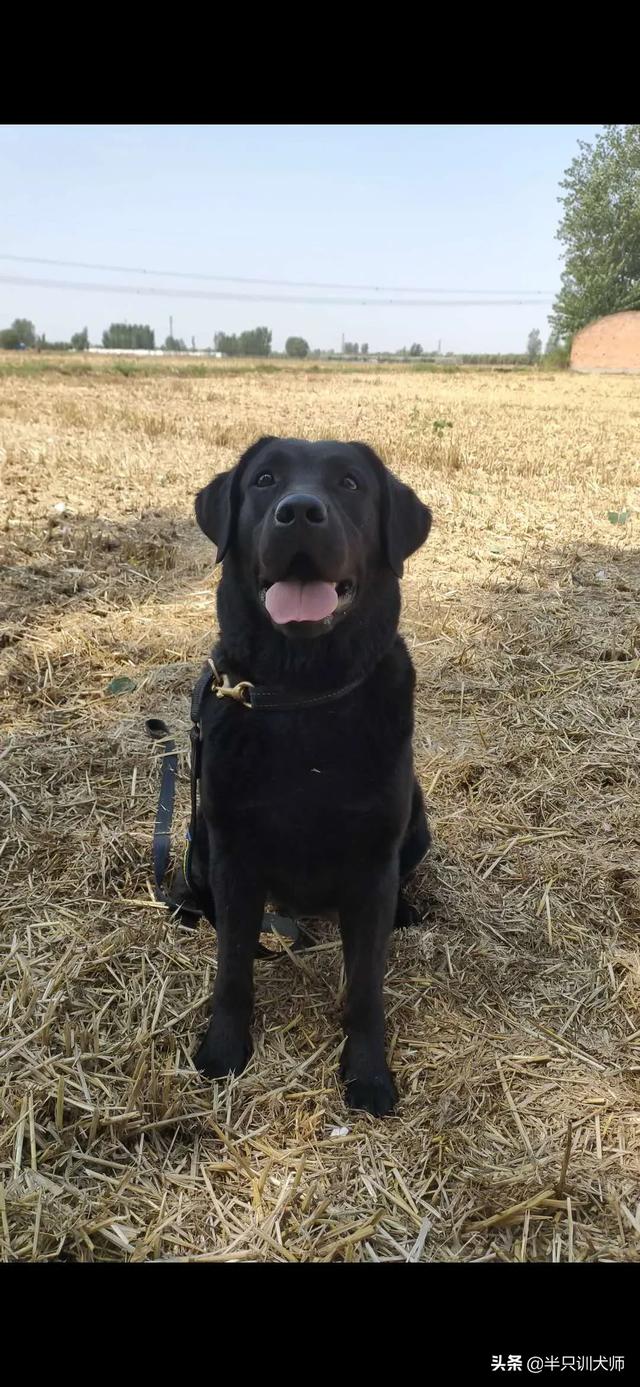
(443, 211)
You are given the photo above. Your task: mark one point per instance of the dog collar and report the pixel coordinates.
(261, 698)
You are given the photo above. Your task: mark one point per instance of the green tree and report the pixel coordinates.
(9, 340)
(25, 331)
(225, 343)
(600, 230)
(416, 349)
(534, 346)
(129, 337)
(256, 342)
(174, 344)
(296, 346)
(21, 334)
(557, 351)
(364, 350)
(80, 341)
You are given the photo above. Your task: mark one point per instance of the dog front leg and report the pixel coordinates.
(366, 921)
(239, 908)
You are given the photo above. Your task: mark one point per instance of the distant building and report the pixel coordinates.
(147, 351)
(609, 344)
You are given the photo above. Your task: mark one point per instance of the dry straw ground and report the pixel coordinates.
(513, 1011)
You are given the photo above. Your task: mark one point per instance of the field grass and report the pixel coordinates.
(25, 364)
(513, 1012)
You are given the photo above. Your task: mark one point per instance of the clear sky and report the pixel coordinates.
(436, 208)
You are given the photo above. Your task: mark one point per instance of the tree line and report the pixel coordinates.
(22, 336)
(256, 342)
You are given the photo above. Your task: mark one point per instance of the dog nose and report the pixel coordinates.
(301, 509)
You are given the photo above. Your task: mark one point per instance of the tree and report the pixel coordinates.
(534, 346)
(600, 230)
(21, 334)
(364, 349)
(257, 342)
(25, 331)
(129, 337)
(416, 349)
(174, 344)
(226, 344)
(296, 346)
(350, 349)
(80, 341)
(557, 352)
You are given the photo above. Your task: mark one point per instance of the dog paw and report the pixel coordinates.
(216, 1058)
(376, 1094)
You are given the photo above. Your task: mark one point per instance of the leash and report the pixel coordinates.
(161, 847)
(251, 698)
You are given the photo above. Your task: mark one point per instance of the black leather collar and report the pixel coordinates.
(223, 685)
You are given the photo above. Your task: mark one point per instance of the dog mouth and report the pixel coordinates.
(307, 601)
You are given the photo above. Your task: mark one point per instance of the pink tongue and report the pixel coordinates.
(295, 601)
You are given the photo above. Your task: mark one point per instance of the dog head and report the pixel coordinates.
(311, 526)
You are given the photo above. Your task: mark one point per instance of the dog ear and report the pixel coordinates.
(406, 521)
(216, 506)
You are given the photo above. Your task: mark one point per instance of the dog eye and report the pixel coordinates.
(350, 483)
(265, 479)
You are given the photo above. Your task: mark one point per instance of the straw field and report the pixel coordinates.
(513, 1012)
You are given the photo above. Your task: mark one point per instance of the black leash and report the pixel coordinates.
(159, 732)
(267, 700)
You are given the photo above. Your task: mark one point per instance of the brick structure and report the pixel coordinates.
(609, 344)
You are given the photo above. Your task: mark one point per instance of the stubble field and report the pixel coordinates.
(513, 1012)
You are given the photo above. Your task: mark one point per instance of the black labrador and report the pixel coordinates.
(312, 804)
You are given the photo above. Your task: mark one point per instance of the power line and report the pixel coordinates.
(151, 291)
(281, 283)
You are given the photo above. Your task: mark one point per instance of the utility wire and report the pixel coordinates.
(152, 291)
(544, 294)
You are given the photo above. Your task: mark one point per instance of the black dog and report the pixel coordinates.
(312, 805)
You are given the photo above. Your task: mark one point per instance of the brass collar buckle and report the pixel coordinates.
(223, 688)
